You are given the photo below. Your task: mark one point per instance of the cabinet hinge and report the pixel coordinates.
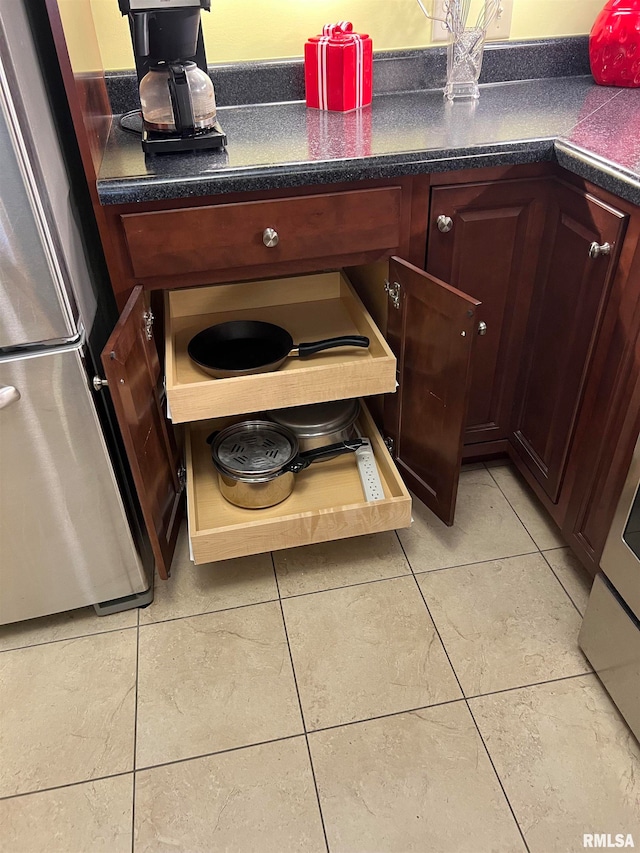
(390, 444)
(148, 323)
(182, 477)
(394, 292)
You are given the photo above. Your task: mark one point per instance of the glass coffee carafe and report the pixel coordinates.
(177, 97)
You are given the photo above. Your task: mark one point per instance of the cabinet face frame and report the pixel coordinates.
(401, 235)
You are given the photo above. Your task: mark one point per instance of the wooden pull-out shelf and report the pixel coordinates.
(311, 308)
(327, 503)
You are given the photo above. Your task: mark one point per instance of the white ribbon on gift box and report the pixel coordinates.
(343, 32)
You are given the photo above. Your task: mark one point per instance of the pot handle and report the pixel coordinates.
(303, 460)
(210, 438)
(330, 343)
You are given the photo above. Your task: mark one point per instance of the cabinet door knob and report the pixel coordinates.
(8, 395)
(444, 223)
(482, 328)
(270, 237)
(595, 250)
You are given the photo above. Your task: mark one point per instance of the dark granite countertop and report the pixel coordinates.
(590, 130)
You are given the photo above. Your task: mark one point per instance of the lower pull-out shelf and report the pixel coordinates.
(327, 503)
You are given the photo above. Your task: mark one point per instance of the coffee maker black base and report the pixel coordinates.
(159, 143)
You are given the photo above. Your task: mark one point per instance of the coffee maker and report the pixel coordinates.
(176, 93)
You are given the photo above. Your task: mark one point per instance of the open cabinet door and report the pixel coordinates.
(132, 369)
(437, 332)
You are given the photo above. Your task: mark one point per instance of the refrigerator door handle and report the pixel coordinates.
(8, 395)
(44, 347)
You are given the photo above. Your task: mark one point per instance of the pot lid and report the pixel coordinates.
(253, 448)
(318, 418)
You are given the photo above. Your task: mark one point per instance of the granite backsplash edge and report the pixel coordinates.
(394, 71)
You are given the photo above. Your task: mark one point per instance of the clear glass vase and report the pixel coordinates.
(464, 63)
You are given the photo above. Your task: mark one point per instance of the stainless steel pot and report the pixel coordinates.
(257, 461)
(319, 423)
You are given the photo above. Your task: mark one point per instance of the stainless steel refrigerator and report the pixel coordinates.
(66, 523)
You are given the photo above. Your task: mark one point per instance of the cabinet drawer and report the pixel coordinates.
(327, 503)
(226, 236)
(311, 308)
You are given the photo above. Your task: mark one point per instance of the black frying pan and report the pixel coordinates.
(241, 347)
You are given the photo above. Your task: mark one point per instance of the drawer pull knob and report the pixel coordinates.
(482, 328)
(270, 237)
(444, 223)
(595, 250)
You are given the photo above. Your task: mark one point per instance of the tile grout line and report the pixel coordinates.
(304, 724)
(67, 639)
(532, 684)
(466, 701)
(513, 509)
(344, 586)
(486, 749)
(208, 612)
(285, 598)
(540, 550)
(475, 563)
(135, 738)
(561, 584)
(215, 753)
(66, 785)
(535, 497)
(340, 725)
(289, 737)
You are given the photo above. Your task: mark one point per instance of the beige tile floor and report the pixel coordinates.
(414, 692)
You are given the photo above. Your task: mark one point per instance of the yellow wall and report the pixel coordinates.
(241, 30)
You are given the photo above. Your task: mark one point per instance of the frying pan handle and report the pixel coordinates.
(303, 460)
(331, 343)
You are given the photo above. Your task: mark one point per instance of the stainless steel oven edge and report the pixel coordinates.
(620, 563)
(610, 638)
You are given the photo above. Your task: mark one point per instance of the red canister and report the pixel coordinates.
(614, 45)
(338, 69)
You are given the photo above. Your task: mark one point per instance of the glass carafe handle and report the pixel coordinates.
(180, 100)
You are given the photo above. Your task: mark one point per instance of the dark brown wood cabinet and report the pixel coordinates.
(609, 420)
(535, 260)
(484, 239)
(554, 382)
(577, 261)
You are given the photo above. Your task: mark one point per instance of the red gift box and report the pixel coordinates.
(338, 69)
